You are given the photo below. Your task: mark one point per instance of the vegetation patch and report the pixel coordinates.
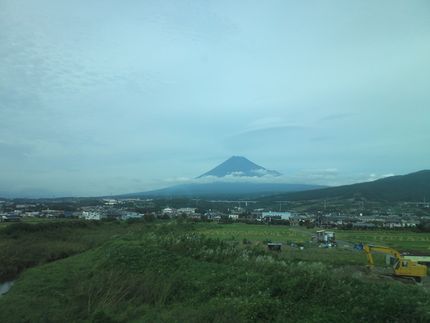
(402, 240)
(24, 245)
(172, 273)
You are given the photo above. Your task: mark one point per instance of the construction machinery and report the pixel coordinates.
(403, 268)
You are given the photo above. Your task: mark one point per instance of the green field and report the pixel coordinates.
(29, 220)
(254, 232)
(344, 254)
(184, 272)
(403, 240)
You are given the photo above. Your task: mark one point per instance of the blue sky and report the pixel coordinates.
(107, 97)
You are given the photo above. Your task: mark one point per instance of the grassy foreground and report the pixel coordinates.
(25, 245)
(172, 273)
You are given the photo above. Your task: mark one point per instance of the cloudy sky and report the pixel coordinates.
(106, 97)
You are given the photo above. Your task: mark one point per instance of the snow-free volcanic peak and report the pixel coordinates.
(239, 166)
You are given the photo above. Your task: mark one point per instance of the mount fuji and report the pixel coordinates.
(239, 166)
(236, 177)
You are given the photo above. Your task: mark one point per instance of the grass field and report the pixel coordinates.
(403, 240)
(30, 220)
(175, 272)
(344, 255)
(253, 232)
(258, 235)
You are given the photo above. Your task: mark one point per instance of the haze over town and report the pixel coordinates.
(105, 97)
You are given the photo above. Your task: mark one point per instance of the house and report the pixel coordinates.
(214, 215)
(91, 215)
(32, 214)
(363, 225)
(168, 212)
(131, 215)
(110, 202)
(186, 210)
(52, 213)
(233, 216)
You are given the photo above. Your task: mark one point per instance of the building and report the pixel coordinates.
(10, 217)
(52, 213)
(186, 210)
(214, 215)
(91, 215)
(168, 211)
(110, 202)
(276, 215)
(233, 216)
(32, 214)
(131, 215)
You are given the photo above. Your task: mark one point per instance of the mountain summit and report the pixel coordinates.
(239, 166)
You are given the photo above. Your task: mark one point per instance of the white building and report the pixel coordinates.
(110, 201)
(186, 210)
(91, 215)
(168, 211)
(31, 214)
(131, 215)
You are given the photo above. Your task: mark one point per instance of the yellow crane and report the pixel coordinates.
(402, 267)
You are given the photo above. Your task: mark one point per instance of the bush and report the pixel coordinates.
(16, 229)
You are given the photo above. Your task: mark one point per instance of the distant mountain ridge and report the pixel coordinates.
(411, 187)
(239, 166)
